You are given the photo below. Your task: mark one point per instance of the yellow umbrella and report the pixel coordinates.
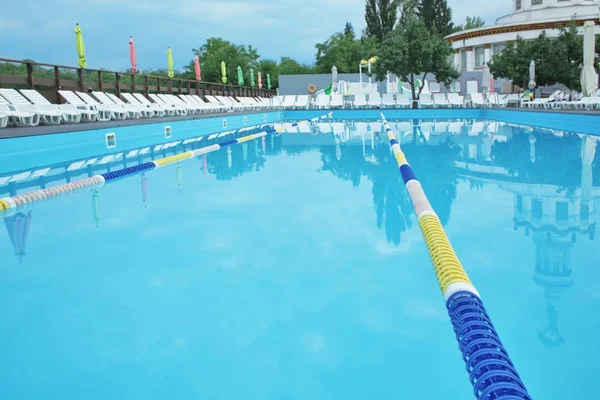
(223, 72)
(170, 63)
(80, 46)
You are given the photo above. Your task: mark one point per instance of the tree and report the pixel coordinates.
(216, 50)
(269, 67)
(407, 9)
(556, 60)
(349, 31)
(381, 17)
(344, 52)
(411, 49)
(289, 66)
(437, 16)
(471, 23)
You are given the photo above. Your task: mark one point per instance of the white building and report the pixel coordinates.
(475, 47)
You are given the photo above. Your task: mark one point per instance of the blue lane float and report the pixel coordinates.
(491, 371)
(11, 202)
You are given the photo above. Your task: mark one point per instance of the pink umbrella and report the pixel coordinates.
(132, 55)
(491, 83)
(259, 80)
(197, 68)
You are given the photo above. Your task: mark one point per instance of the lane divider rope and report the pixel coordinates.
(490, 369)
(20, 200)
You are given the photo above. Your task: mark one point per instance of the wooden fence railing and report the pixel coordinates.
(49, 78)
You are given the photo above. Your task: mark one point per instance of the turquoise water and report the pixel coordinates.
(297, 270)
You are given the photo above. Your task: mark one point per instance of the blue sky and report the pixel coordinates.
(43, 29)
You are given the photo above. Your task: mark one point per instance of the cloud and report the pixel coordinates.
(275, 27)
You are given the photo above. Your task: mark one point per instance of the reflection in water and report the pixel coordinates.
(144, 190)
(536, 165)
(96, 207)
(17, 226)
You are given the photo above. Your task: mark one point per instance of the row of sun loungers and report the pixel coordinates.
(27, 107)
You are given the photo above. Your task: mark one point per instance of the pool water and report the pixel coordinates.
(293, 268)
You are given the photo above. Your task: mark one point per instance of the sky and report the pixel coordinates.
(42, 30)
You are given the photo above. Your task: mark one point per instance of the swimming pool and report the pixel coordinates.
(292, 266)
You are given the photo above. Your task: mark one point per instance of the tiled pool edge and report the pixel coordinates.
(42, 130)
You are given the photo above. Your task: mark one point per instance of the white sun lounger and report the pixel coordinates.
(151, 107)
(213, 100)
(288, 101)
(3, 120)
(426, 101)
(168, 110)
(48, 115)
(177, 109)
(187, 99)
(337, 101)
(115, 112)
(322, 101)
(455, 100)
(117, 108)
(133, 110)
(477, 100)
(72, 114)
(208, 106)
(89, 112)
(440, 100)
(360, 100)
(374, 100)
(171, 99)
(18, 118)
(388, 100)
(302, 101)
(402, 101)
(233, 105)
(494, 100)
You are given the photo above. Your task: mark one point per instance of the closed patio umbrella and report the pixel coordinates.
(589, 79)
(334, 75)
(170, 72)
(132, 55)
(80, 47)
(269, 81)
(240, 76)
(223, 72)
(259, 80)
(532, 83)
(197, 68)
(144, 191)
(252, 83)
(485, 78)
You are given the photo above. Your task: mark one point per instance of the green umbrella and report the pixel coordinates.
(252, 78)
(223, 72)
(269, 81)
(240, 76)
(80, 46)
(170, 63)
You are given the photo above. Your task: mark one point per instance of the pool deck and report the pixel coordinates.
(16, 132)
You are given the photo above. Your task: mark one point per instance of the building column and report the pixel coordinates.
(457, 65)
(487, 53)
(470, 59)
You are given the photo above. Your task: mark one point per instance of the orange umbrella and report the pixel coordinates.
(132, 55)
